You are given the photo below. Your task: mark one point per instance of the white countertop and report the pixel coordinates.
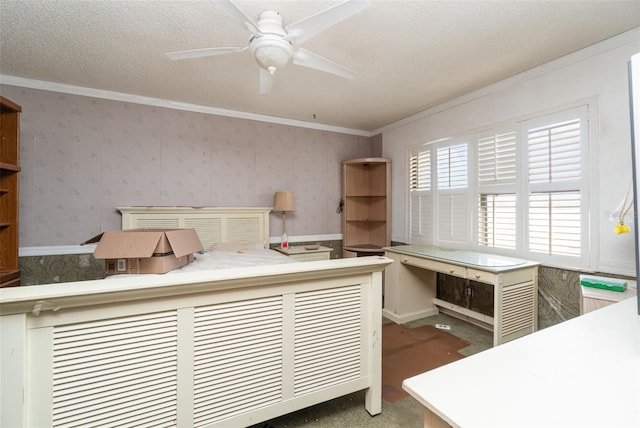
(463, 257)
(580, 373)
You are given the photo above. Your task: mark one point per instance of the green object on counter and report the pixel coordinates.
(611, 284)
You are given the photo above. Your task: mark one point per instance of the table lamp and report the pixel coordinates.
(284, 201)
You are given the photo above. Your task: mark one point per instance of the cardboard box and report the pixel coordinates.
(146, 250)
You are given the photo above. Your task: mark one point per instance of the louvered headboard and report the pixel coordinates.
(213, 224)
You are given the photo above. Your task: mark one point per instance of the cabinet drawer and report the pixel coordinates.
(310, 257)
(482, 276)
(435, 266)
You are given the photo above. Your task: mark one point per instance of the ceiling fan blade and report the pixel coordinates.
(300, 31)
(306, 58)
(266, 81)
(238, 15)
(199, 53)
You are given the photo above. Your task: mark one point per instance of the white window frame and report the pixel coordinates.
(582, 185)
(499, 187)
(422, 232)
(587, 111)
(453, 232)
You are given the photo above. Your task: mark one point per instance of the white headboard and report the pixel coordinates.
(213, 224)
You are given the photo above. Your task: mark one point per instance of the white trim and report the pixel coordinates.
(59, 250)
(56, 250)
(630, 36)
(158, 102)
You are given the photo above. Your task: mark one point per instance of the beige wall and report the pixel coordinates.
(82, 157)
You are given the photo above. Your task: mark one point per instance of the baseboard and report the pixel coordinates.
(412, 316)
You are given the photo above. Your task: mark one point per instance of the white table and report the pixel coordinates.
(584, 372)
(410, 288)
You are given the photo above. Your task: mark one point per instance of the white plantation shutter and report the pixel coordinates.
(555, 147)
(420, 197)
(523, 183)
(554, 152)
(497, 159)
(497, 169)
(554, 223)
(452, 197)
(420, 171)
(497, 220)
(452, 167)
(452, 218)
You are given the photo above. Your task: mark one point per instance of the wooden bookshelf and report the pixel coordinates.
(366, 215)
(9, 192)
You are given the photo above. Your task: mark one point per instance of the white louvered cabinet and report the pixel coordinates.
(204, 360)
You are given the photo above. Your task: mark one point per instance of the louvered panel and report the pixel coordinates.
(421, 221)
(420, 171)
(209, 230)
(242, 229)
(237, 358)
(555, 223)
(497, 158)
(554, 152)
(157, 223)
(327, 338)
(118, 372)
(452, 216)
(452, 166)
(517, 311)
(497, 220)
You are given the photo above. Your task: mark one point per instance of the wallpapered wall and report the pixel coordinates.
(82, 157)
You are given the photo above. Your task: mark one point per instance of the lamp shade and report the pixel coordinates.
(284, 201)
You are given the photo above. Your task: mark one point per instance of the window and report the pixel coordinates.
(452, 196)
(497, 165)
(420, 171)
(554, 152)
(554, 223)
(452, 167)
(497, 221)
(420, 199)
(523, 185)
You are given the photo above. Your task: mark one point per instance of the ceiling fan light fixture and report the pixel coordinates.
(271, 51)
(272, 44)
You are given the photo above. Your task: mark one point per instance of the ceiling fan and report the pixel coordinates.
(274, 45)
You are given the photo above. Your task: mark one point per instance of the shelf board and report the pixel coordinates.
(366, 221)
(8, 106)
(10, 278)
(9, 167)
(364, 248)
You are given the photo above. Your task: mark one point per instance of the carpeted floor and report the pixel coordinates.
(348, 411)
(407, 352)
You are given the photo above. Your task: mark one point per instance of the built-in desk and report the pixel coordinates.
(410, 287)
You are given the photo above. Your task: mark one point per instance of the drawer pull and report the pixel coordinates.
(451, 270)
(478, 276)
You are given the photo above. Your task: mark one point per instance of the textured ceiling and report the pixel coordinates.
(409, 55)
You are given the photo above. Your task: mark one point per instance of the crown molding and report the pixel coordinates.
(158, 102)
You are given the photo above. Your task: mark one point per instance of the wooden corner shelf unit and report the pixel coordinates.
(9, 170)
(365, 219)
